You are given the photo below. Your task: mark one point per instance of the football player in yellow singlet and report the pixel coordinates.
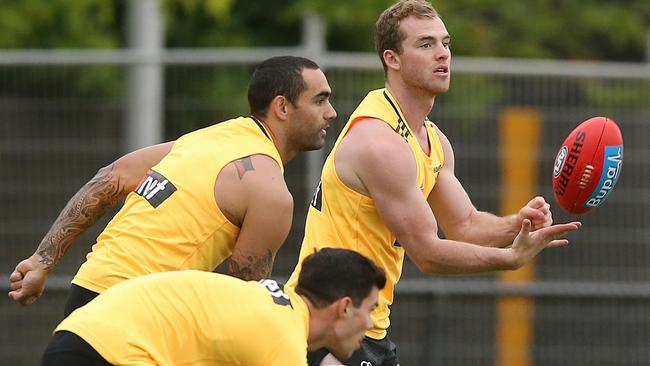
(389, 181)
(196, 201)
(202, 318)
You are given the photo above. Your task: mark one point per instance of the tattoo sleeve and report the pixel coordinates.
(84, 209)
(251, 267)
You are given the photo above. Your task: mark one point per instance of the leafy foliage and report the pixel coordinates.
(586, 29)
(582, 30)
(59, 24)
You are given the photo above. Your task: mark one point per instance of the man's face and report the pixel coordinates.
(350, 330)
(310, 116)
(426, 56)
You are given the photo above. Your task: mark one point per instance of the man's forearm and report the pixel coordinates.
(90, 203)
(251, 267)
(487, 229)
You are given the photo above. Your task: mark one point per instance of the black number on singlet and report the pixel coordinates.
(277, 292)
(317, 200)
(155, 188)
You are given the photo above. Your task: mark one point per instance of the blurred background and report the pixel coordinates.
(84, 81)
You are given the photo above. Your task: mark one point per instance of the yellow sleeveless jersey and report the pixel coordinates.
(340, 217)
(171, 221)
(194, 318)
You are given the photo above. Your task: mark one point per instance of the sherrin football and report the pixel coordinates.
(588, 165)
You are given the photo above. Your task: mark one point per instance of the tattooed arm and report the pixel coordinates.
(108, 187)
(251, 267)
(255, 197)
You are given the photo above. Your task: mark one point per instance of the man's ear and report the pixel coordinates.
(392, 60)
(343, 306)
(279, 107)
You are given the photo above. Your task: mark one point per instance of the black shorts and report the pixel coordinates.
(373, 352)
(77, 298)
(67, 348)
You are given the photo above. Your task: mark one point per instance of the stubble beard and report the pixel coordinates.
(434, 87)
(316, 142)
(426, 84)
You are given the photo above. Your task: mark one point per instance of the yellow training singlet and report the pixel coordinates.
(340, 217)
(194, 318)
(171, 221)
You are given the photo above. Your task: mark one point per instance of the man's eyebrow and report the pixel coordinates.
(324, 93)
(432, 38)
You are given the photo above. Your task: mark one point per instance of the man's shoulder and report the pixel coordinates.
(377, 104)
(376, 136)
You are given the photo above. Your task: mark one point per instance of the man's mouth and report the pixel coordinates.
(441, 70)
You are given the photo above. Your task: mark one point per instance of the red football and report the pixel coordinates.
(588, 165)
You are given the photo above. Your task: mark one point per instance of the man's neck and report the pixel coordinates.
(316, 337)
(415, 105)
(279, 140)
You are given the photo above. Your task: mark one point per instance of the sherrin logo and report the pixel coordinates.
(566, 161)
(611, 170)
(559, 160)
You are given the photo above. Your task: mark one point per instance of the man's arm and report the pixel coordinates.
(460, 220)
(252, 193)
(108, 187)
(386, 168)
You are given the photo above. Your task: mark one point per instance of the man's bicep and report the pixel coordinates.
(264, 229)
(133, 166)
(449, 200)
(451, 204)
(393, 187)
(406, 213)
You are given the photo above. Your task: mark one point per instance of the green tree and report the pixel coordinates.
(585, 29)
(59, 24)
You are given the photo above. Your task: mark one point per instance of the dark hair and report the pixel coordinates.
(331, 273)
(388, 35)
(275, 76)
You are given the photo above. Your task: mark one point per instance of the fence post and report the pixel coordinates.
(519, 131)
(143, 122)
(313, 39)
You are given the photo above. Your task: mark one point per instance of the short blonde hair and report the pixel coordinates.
(387, 32)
